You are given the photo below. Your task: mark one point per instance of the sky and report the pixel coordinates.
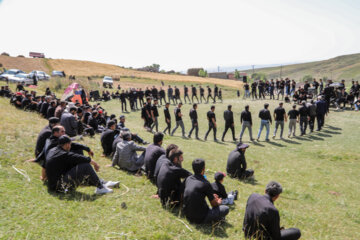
(181, 34)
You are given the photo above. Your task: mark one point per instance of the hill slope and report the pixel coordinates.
(343, 67)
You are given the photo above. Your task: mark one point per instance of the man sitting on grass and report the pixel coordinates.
(67, 170)
(196, 189)
(262, 219)
(152, 154)
(108, 137)
(236, 163)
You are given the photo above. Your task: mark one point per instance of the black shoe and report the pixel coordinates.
(236, 194)
(222, 140)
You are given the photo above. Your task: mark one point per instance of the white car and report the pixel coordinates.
(58, 73)
(107, 81)
(21, 78)
(40, 75)
(10, 73)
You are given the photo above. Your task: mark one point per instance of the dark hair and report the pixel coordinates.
(212, 107)
(229, 106)
(247, 107)
(266, 105)
(198, 165)
(110, 124)
(79, 110)
(169, 148)
(94, 113)
(294, 106)
(273, 189)
(73, 109)
(175, 153)
(194, 105)
(158, 137)
(56, 129)
(126, 136)
(64, 139)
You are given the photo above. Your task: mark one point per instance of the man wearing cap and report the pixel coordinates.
(169, 184)
(67, 170)
(279, 116)
(179, 121)
(293, 119)
(108, 137)
(246, 122)
(152, 154)
(236, 163)
(266, 120)
(262, 219)
(197, 188)
(44, 134)
(229, 123)
(125, 155)
(212, 123)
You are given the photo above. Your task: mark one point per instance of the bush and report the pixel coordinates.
(203, 73)
(259, 76)
(22, 56)
(307, 78)
(5, 54)
(194, 71)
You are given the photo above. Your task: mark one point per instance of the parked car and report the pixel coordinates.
(10, 73)
(108, 81)
(58, 74)
(21, 78)
(40, 75)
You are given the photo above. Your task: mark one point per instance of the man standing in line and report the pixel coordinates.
(177, 95)
(170, 93)
(312, 114)
(186, 93)
(123, 100)
(179, 121)
(216, 93)
(279, 116)
(167, 118)
(304, 115)
(209, 95)
(212, 123)
(202, 94)
(155, 115)
(246, 122)
(266, 120)
(253, 90)
(247, 91)
(229, 123)
(149, 119)
(194, 94)
(321, 110)
(194, 122)
(293, 119)
(162, 95)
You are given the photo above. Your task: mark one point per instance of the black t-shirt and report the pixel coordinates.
(304, 111)
(195, 206)
(177, 117)
(293, 114)
(167, 114)
(236, 163)
(152, 154)
(155, 110)
(211, 115)
(219, 189)
(279, 113)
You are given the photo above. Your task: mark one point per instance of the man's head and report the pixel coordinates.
(53, 121)
(281, 104)
(126, 136)
(194, 106)
(176, 156)
(94, 114)
(303, 103)
(198, 166)
(167, 105)
(169, 148)
(73, 110)
(294, 106)
(58, 131)
(242, 147)
(266, 105)
(273, 189)
(247, 107)
(179, 105)
(229, 107)
(148, 100)
(65, 143)
(219, 177)
(212, 108)
(122, 118)
(158, 138)
(111, 125)
(156, 101)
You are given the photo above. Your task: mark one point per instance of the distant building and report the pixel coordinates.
(36, 55)
(194, 71)
(232, 76)
(221, 75)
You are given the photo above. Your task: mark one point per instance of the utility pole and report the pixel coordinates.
(280, 71)
(218, 68)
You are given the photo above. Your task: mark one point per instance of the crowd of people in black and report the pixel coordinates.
(65, 167)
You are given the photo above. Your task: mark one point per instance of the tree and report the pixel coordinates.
(259, 76)
(237, 74)
(203, 73)
(5, 54)
(308, 78)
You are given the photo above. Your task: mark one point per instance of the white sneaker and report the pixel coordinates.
(110, 184)
(103, 190)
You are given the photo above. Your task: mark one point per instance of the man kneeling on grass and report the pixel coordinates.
(262, 219)
(196, 189)
(67, 170)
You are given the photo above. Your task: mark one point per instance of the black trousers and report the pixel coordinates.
(187, 96)
(211, 127)
(290, 234)
(209, 96)
(162, 98)
(227, 126)
(320, 120)
(81, 174)
(195, 126)
(202, 97)
(141, 101)
(253, 94)
(194, 96)
(168, 127)
(312, 123)
(123, 103)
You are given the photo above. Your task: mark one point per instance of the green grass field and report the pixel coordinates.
(319, 174)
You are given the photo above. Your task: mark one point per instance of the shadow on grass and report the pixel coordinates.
(217, 229)
(333, 128)
(75, 196)
(258, 144)
(316, 138)
(290, 141)
(304, 139)
(275, 144)
(323, 135)
(251, 181)
(331, 132)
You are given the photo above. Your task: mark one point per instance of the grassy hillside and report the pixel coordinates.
(319, 173)
(343, 67)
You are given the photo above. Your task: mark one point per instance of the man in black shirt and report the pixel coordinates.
(163, 159)
(123, 97)
(202, 94)
(253, 90)
(162, 95)
(170, 93)
(194, 121)
(194, 94)
(51, 110)
(152, 154)
(209, 95)
(44, 134)
(148, 117)
(167, 118)
(212, 123)
(186, 93)
(293, 119)
(196, 189)
(262, 219)
(279, 116)
(247, 91)
(155, 115)
(67, 170)
(169, 178)
(141, 97)
(216, 92)
(229, 123)
(266, 120)
(177, 95)
(304, 115)
(178, 119)
(236, 163)
(107, 138)
(246, 122)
